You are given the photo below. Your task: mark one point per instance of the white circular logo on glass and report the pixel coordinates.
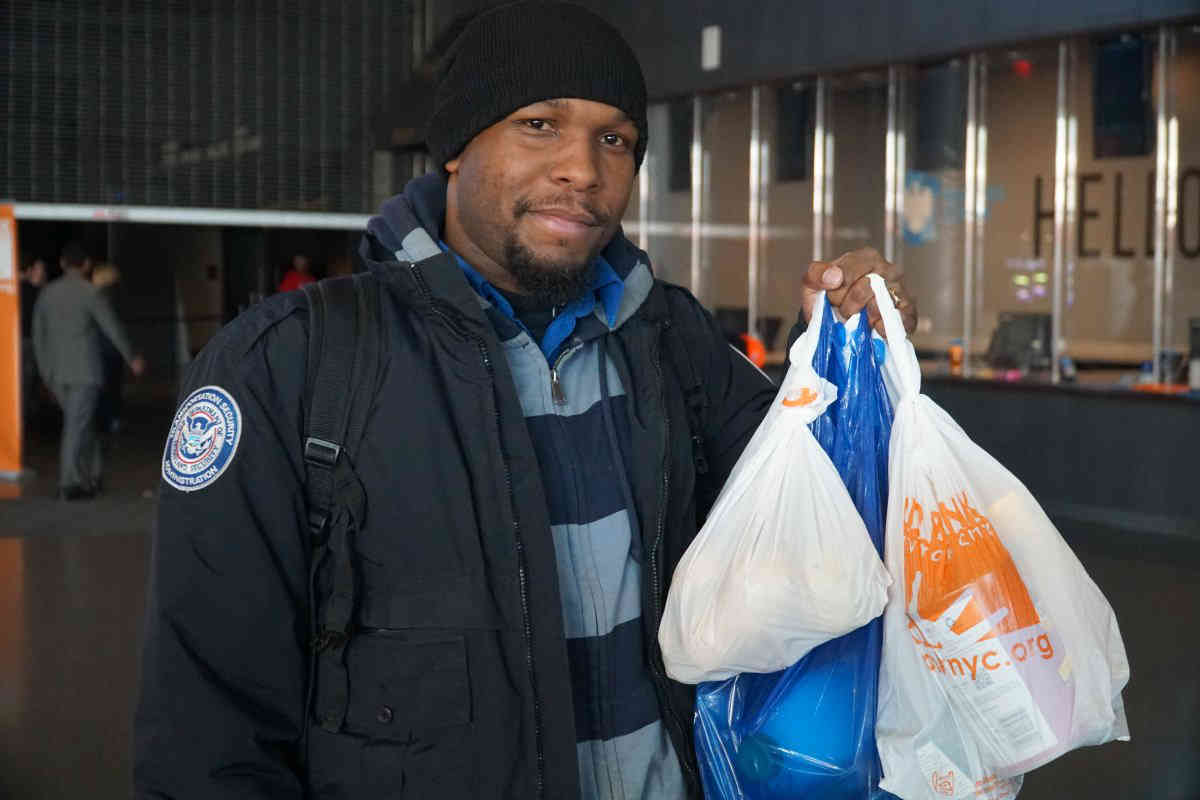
(203, 439)
(922, 192)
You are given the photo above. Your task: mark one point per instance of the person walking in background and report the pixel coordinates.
(32, 279)
(70, 319)
(298, 275)
(105, 278)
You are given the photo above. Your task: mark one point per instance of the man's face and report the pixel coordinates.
(37, 272)
(301, 264)
(539, 194)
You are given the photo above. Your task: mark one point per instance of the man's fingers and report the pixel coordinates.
(848, 288)
(855, 266)
(864, 261)
(875, 318)
(820, 275)
(823, 275)
(909, 315)
(856, 298)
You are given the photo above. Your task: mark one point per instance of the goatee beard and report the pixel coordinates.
(548, 283)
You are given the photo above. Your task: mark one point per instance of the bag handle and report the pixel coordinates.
(803, 393)
(805, 346)
(901, 370)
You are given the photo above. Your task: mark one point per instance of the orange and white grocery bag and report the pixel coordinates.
(784, 561)
(999, 652)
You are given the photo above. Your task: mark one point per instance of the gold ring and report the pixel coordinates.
(897, 300)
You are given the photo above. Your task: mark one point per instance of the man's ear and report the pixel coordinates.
(452, 166)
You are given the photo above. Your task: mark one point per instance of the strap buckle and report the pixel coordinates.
(318, 526)
(321, 453)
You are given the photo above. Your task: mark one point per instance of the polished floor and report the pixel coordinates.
(72, 590)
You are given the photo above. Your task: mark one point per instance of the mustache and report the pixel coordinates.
(564, 205)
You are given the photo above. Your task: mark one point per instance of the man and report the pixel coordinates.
(530, 471)
(298, 275)
(33, 278)
(69, 319)
(105, 278)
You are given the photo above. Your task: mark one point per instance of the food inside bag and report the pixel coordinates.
(784, 562)
(808, 732)
(1000, 653)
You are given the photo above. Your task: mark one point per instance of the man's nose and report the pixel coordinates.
(577, 164)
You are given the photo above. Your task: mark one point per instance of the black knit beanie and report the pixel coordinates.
(521, 53)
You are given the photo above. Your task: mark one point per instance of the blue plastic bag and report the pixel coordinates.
(809, 731)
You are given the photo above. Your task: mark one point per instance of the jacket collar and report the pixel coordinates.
(409, 225)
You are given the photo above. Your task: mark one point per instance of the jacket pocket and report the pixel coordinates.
(456, 602)
(406, 684)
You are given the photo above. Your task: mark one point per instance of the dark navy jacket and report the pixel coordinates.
(459, 684)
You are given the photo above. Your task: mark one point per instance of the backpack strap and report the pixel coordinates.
(344, 359)
(695, 398)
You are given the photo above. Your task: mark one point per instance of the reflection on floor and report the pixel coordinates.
(72, 578)
(72, 590)
(70, 621)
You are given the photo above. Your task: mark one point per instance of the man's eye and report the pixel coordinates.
(538, 124)
(614, 140)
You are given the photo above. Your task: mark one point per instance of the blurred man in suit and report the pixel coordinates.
(105, 277)
(69, 320)
(33, 277)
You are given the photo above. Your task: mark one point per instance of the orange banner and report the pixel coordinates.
(10, 348)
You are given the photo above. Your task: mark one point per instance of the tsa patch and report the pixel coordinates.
(203, 439)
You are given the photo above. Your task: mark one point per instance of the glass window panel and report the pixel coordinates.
(1183, 303)
(787, 124)
(1109, 287)
(666, 212)
(1020, 112)
(933, 223)
(859, 127)
(725, 207)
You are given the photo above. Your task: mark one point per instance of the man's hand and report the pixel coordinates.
(846, 284)
(137, 366)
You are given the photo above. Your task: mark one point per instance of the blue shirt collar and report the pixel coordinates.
(607, 288)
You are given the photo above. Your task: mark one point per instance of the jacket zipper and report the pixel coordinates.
(556, 390)
(520, 544)
(655, 579)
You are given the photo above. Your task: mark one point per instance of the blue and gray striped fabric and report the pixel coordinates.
(624, 750)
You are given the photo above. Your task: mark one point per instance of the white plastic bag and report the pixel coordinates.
(784, 562)
(999, 652)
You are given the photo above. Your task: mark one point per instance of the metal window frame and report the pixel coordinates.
(1066, 157)
(1166, 194)
(822, 174)
(896, 163)
(697, 159)
(755, 211)
(974, 199)
(644, 202)
(175, 215)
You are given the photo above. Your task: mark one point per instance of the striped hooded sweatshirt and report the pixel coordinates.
(575, 411)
